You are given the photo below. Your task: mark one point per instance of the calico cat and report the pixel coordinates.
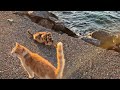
(36, 64)
(43, 37)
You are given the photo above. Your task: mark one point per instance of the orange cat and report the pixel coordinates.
(43, 37)
(35, 64)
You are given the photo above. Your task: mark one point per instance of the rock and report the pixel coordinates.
(103, 36)
(48, 20)
(10, 21)
(42, 14)
(117, 39)
(108, 40)
(92, 41)
(53, 15)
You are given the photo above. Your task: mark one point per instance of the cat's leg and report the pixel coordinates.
(29, 71)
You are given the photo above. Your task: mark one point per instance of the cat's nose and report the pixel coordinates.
(11, 52)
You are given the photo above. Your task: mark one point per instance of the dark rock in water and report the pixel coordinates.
(48, 20)
(53, 15)
(61, 28)
(67, 12)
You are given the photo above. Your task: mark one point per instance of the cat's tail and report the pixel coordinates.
(31, 35)
(60, 60)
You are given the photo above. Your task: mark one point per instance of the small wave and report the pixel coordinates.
(84, 21)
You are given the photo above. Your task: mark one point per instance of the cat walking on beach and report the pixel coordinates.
(36, 64)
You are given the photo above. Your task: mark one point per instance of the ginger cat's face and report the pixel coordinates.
(17, 50)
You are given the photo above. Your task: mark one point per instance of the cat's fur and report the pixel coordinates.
(36, 64)
(43, 37)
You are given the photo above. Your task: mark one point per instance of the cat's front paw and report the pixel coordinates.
(31, 78)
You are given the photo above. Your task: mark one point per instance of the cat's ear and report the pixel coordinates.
(17, 44)
(49, 34)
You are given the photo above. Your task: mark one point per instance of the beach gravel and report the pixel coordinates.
(82, 60)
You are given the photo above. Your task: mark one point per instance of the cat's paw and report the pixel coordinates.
(31, 78)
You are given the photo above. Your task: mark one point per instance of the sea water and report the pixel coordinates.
(82, 22)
